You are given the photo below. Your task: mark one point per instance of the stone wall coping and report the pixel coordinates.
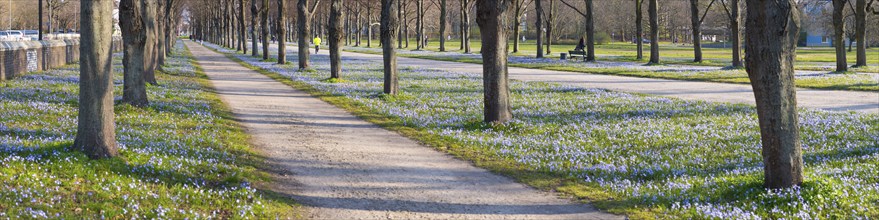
(19, 45)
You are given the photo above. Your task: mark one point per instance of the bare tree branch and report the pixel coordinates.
(575, 8)
(706, 11)
(314, 7)
(725, 8)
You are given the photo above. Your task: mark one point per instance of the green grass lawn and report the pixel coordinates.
(831, 81)
(669, 53)
(183, 156)
(638, 155)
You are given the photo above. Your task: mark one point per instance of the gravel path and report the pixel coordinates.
(833, 100)
(341, 167)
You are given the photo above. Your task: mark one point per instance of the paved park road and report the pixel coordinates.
(867, 102)
(341, 167)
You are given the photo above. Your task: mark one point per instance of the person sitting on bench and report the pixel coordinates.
(579, 50)
(581, 45)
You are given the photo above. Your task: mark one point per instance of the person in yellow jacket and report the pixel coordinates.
(316, 44)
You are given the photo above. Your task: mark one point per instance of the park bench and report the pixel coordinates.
(581, 53)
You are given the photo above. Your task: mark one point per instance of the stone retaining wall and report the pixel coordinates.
(20, 57)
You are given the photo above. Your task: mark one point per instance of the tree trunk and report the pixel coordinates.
(838, 32)
(388, 24)
(405, 21)
(160, 34)
(227, 40)
(243, 30)
(442, 27)
(282, 33)
(424, 36)
(400, 24)
(639, 29)
(861, 32)
(218, 27)
(461, 24)
(654, 31)
(303, 17)
(150, 48)
(517, 19)
(233, 14)
(549, 24)
(315, 23)
(419, 28)
(347, 26)
(736, 34)
(169, 21)
(369, 36)
(291, 26)
(466, 30)
(490, 18)
(773, 30)
(359, 29)
(323, 26)
(254, 39)
(851, 41)
(233, 26)
(697, 31)
(335, 38)
(264, 27)
(538, 27)
(40, 20)
(96, 129)
(216, 35)
(590, 32)
(223, 25)
(229, 31)
(133, 39)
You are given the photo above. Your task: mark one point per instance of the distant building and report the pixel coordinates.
(818, 39)
(816, 25)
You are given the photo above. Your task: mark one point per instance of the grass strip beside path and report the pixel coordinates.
(183, 156)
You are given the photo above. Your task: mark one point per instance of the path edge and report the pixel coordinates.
(268, 176)
(567, 188)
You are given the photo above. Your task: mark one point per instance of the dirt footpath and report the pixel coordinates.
(341, 167)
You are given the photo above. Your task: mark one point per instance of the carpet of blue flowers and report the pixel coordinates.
(672, 158)
(181, 157)
(815, 77)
